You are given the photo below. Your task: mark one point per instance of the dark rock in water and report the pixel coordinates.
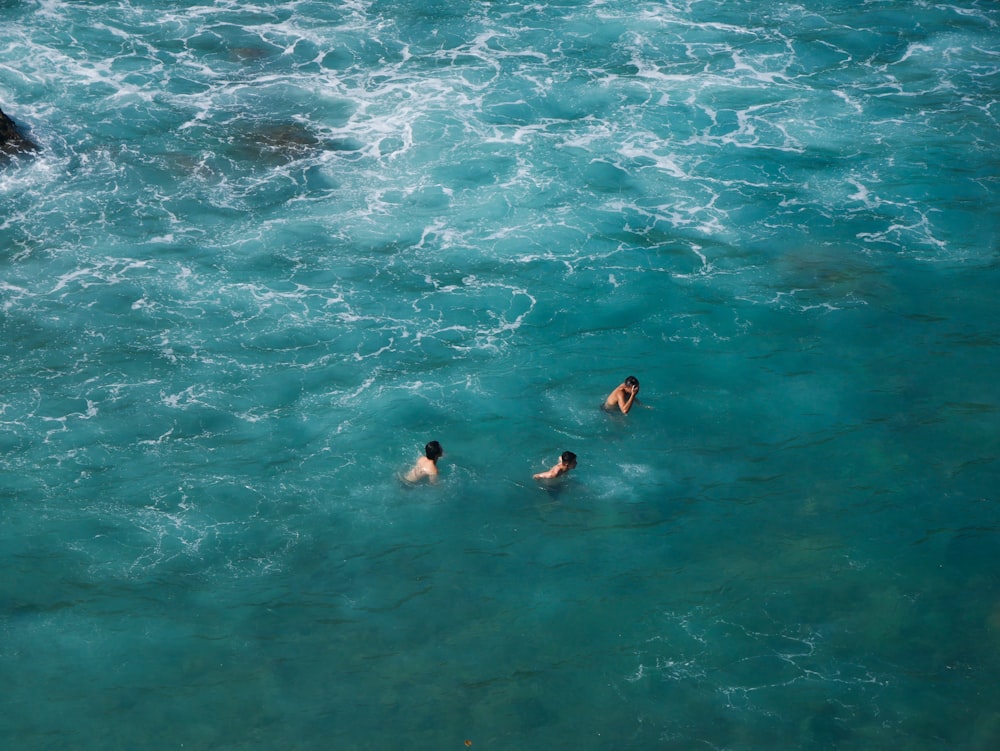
(273, 144)
(11, 140)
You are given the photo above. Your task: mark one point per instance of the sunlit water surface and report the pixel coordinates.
(269, 250)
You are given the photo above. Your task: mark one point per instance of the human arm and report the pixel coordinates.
(549, 473)
(625, 404)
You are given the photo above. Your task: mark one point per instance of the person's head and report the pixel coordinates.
(433, 451)
(632, 382)
(568, 458)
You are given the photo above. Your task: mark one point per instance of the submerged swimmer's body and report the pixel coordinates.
(426, 465)
(566, 462)
(623, 397)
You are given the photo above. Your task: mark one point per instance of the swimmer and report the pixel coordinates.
(623, 397)
(426, 465)
(566, 462)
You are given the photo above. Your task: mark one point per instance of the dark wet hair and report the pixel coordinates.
(568, 457)
(433, 450)
(631, 381)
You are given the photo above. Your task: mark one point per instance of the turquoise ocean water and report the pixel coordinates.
(270, 249)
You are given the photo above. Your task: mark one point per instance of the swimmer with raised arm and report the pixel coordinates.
(426, 465)
(623, 397)
(566, 462)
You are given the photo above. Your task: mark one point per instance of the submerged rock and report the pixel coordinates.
(12, 141)
(273, 144)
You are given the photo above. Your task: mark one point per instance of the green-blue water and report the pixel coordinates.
(269, 250)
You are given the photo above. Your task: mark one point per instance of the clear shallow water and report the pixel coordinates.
(270, 250)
